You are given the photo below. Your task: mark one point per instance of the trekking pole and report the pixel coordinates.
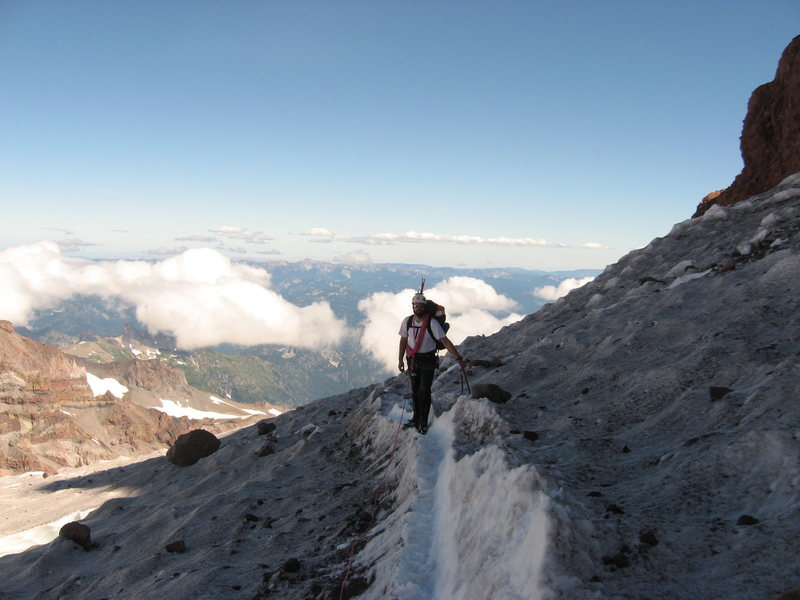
(465, 380)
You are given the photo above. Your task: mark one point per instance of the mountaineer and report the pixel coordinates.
(419, 334)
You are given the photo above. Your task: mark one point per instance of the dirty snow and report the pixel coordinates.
(247, 411)
(650, 450)
(174, 409)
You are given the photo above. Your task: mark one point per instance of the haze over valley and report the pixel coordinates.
(362, 307)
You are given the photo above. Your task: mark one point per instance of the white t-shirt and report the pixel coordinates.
(428, 344)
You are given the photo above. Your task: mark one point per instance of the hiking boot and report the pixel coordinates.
(411, 423)
(423, 429)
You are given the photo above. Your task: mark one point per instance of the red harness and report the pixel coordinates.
(417, 341)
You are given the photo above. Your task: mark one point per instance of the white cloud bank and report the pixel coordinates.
(552, 292)
(416, 237)
(234, 232)
(469, 304)
(354, 258)
(199, 296)
(318, 231)
(203, 299)
(420, 237)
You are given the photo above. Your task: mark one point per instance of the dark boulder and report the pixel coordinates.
(292, 565)
(78, 533)
(492, 363)
(718, 392)
(648, 537)
(266, 450)
(176, 547)
(191, 447)
(491, 391)
(746, 520)
(265, 426)
(619, 561)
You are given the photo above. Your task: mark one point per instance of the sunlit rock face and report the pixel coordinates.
(770, 141)
(31, 372)
(50, 417)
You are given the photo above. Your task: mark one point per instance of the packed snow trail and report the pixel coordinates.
(468, 529)
(420, 557)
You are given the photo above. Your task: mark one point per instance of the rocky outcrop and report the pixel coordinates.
(47, 437)
(770, 141)
(491, 391)
(148, 374)
(50, 419)
(31, 372)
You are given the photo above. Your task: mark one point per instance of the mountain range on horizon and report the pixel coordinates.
(104, 329)
(636, 438)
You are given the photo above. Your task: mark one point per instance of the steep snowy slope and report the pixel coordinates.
(664, 396)
(649, 450)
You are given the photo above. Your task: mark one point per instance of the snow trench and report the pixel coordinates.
(461, 528)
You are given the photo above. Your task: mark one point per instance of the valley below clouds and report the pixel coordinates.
(203, 298)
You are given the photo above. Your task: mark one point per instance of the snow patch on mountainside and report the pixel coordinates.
(108, 384)
(175, 409)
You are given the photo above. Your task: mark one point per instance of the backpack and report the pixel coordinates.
(435, 311)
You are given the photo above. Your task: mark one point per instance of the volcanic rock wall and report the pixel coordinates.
(770, 141)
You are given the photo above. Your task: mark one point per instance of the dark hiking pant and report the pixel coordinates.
(421, 381)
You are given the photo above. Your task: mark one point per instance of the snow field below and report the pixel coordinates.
(43, 534)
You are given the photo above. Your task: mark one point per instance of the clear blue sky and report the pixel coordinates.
(130, 128)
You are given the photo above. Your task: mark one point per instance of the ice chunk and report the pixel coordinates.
(680, 268)
(688, 277)
(716, 212)
(783, 271)
(769, 220)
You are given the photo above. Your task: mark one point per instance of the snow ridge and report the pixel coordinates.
(491, 525)
(469, 527)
